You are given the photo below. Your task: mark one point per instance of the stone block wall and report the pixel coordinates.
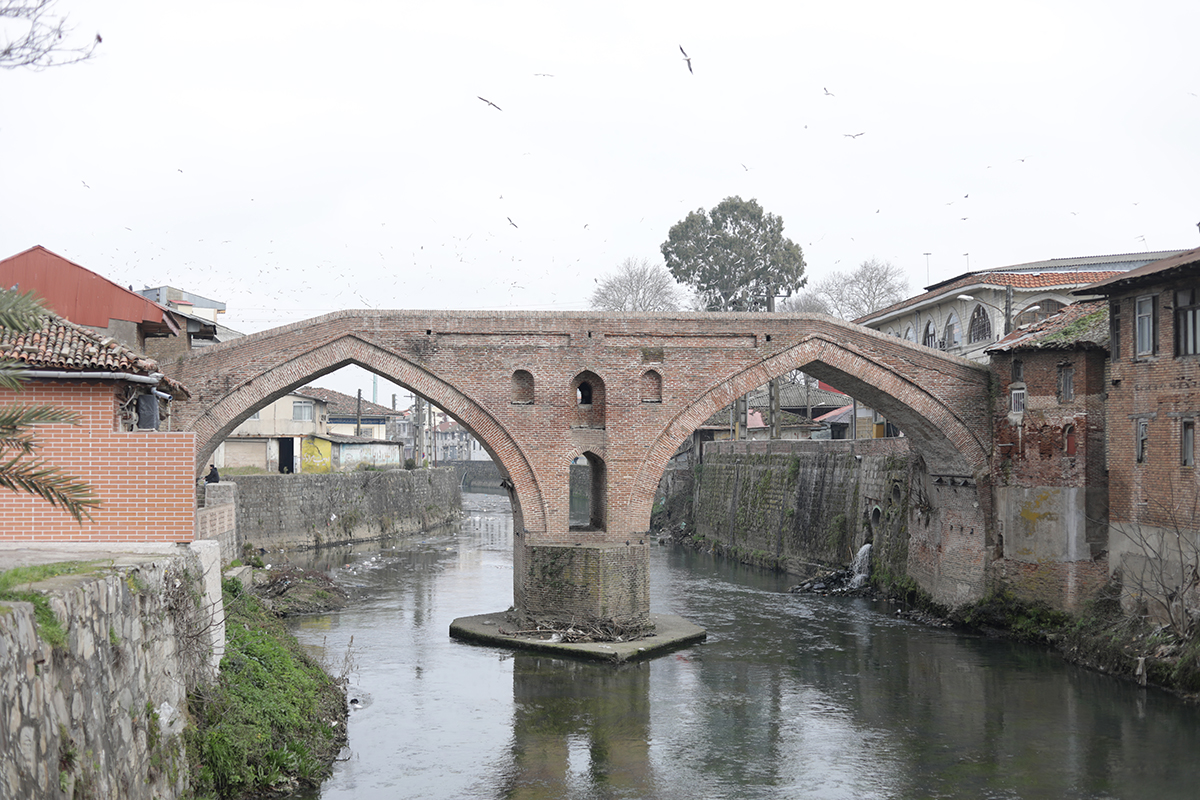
(585, 581)
(802, 505)
(299, 511)
(103, 715)
(216, 519)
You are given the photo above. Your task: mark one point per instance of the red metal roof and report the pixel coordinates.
(76, 292)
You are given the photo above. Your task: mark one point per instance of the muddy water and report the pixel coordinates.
(790, 697)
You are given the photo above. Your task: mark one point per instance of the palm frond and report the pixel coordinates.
(51, 484)
(19, 312)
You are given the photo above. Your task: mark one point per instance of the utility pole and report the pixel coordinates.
(418, 430)
(773, 386)
(358, 415)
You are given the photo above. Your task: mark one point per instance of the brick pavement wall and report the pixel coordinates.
(144, 479)
(302, 511)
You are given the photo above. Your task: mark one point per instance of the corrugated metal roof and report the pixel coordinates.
(75, 292)
(1144, 274)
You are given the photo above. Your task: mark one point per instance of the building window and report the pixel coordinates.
(1066, 384)
(1142, 440)
(953, 332)
(909, 334)
(1146, 324)
(583, 393)
(1069, 445)
(1038, 312)
(930, 339)
(302, 411)
(1018, 400)
(1018, 370)
(255, 415)
(1187, 322)
(1187, 442)
(980, 328)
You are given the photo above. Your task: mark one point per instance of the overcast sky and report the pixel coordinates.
(295, 158)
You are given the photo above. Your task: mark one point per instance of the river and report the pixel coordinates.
(791, 696)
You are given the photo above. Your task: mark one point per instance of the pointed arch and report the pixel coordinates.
(268, 379)
(937, 431)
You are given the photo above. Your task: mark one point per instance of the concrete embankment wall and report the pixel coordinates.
(476, 475)
(299, 511)
(801, 505)
(103, 715)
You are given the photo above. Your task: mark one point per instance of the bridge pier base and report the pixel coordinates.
(583, 581)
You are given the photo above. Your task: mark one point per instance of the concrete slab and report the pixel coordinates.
(26, 554)
(671, 632)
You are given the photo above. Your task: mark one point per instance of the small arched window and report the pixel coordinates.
(651, 385)
(522, 387)
(980, 329)
(583, 393)
(930, 338)
(953, 331)
(1069, 440)
(1036, 312)
(910, 335)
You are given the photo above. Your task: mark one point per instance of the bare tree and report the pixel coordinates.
(805, 302)
(1160, 569)
(41, 36)
(873, 285)
(637, 285)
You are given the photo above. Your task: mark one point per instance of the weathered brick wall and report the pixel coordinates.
(1051, 505)
(145, 480)
(1154, 502)
(295, 511)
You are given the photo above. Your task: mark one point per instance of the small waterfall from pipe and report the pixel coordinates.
(860, 567)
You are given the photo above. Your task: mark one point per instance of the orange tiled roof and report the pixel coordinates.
(59, 344)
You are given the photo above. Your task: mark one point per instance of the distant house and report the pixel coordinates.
(346, 416)
(288, 435)
(967, 314)
(122, 445)
(86, 298)
(1153, 407)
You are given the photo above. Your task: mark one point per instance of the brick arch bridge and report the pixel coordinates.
(516, 380)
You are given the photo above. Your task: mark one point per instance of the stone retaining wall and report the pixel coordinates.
(300, 511)
(103, 715)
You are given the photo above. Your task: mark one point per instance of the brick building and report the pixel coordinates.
(1048, 457)
(1153, 405)
(122, 445)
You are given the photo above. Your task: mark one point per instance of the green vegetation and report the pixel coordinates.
(49, 627)
(1000, 609)
(273, 721)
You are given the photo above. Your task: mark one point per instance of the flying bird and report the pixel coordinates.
(510, 222)
(687, 58)
(98, 39)
(827, 92)
(853, 135)
(490, 103)
(542, 75)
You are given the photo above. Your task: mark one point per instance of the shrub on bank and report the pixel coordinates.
(273, 721)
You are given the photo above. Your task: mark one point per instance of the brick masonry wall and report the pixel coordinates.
(1152, 501)
(299, 511)
(145, 480)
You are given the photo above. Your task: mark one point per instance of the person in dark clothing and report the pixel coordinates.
(213, 476)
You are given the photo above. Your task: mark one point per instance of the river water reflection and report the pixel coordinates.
(792, 696)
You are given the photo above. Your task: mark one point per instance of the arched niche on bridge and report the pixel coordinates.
(587, 393)
(522, 387)
(591, 483)
(651, 387)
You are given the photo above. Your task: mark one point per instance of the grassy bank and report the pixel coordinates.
(274, 720)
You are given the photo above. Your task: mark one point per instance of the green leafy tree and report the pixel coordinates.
(19, 469)
(735, 257)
